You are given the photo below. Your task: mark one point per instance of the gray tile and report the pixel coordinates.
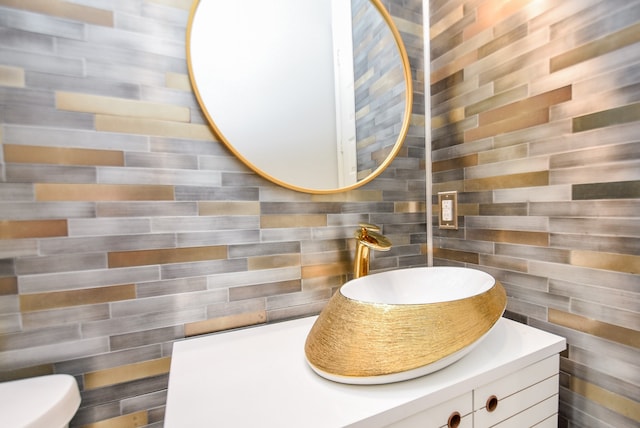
(180, 270)
(40, 23)
(64, 316)
(45, 354)
(108, 226)
(147, 337)
(145, 209)
(97, 243)
(108, 359)
(172, 286)
(167, 303)
(86, 279)
(60, 263)
(28, 173)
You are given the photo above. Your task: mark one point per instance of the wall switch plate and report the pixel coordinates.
(448, 210)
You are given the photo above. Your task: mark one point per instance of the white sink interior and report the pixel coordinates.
(418, 285)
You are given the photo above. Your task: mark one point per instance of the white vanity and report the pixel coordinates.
(259, 377)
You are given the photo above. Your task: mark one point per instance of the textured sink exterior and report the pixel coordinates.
(401, 324)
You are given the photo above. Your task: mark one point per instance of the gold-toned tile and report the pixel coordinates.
(102, 192)
(177, 81)
(12, 76)
(62, 156)
(61, 299)
(160, 128)
(448, 186)
(281, 221)
(166, 255)
(326, 270)
(511, 236)
(601, 119)
(601, 46)
(514, 123)
(130, 420)
(99, 104)
(526, 106)
(526, 179)
(207, 208)
(17, 229)
(225, 323)
(8, 285)
(456, 163)
(178, 4)
(451, 116)
(273, 262)
(410, 207)
(597, 328)
(126, 373)
(609, 261)
(615, 402)
(63, 9)
(460, 256)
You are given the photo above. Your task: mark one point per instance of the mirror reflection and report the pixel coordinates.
(314, 95)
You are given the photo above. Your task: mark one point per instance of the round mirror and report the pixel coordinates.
(313, 95)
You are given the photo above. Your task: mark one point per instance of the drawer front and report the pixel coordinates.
(438, 416)
(516, 407)
(517, 381)
(544, 414)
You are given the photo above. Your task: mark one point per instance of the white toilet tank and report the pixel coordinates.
(39, 402)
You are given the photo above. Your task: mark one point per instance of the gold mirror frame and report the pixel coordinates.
(386, 16)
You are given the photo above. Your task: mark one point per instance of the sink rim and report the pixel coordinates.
(410, 287)
(357, 342)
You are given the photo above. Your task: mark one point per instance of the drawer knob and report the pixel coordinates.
(492, 403)
(454, 420)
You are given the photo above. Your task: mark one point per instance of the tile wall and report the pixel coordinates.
(125, 226)
(535, 110)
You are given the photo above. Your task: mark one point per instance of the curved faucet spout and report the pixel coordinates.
(367, 238)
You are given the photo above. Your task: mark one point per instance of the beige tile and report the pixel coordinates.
(492, 11)
(89, 296)
(130, 420)
(514, 123)
(526, 106)
(64, 9)
(206, 208)
(452, 17)
(159, 128)
(17, 229)
(98, 104)
(225, 323)
(458, 64)
(166, 255)
(102, 192)
(609, 261)
(595, 328)
(410, 207)
(62, 156)
(510, 236)
(11, 76)
(601, 46)
(273, 262)
(610, 400)
(178, 81)
(126, 373)
(330, 269)
(527, 179)
(178, 4)
(282, 221)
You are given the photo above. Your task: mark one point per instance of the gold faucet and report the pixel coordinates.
(367, 238)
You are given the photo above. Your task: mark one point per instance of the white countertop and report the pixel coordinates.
(259, 377)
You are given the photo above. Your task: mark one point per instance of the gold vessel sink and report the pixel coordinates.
(402, 324)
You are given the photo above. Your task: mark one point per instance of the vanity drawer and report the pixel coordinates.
(458, 410)
(517, 406)
(516, 382)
